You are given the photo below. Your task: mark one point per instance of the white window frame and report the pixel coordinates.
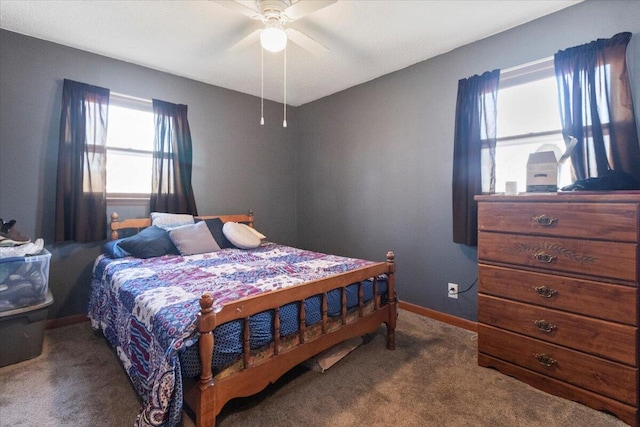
(520, 75)
(134, 103)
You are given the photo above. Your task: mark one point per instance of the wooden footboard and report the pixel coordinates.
(207, 396)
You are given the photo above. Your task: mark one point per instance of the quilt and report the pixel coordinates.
(146, 308)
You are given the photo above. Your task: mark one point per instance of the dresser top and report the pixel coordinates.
(567, 197)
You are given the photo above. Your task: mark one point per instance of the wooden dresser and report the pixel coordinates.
(558, 295)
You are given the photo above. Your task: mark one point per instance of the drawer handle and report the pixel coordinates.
(545, 326)
(544, 220)
(545, 291)
(545, 360)
(544, 257)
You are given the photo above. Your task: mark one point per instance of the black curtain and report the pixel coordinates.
(81, 184)
(171, 189)
(473, 151)
(596, 107)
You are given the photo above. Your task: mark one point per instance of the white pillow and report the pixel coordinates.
(169, 220)
(240, 235)
(192, 239)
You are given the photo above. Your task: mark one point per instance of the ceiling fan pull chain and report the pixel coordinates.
(261, 86)
(284, 122)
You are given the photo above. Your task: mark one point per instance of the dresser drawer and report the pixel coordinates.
(605, 221)
(583, 370)
(605, 339)
(624, 411)
(611, 260)
(606, 301)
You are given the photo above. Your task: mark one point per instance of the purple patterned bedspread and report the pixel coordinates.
(147, 308)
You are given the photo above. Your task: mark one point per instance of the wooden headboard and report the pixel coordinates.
(140, 223)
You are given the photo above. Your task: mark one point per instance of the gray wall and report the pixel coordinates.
(238, 164)
(375, 161)
(357, 173)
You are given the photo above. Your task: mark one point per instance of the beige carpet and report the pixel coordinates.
(431, 379)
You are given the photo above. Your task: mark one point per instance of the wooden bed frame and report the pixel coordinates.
(207, 394)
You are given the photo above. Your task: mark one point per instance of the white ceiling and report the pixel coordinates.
(366, 38)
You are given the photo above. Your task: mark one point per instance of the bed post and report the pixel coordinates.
(250, 218)
(205, 410)
(393, 309)
(114, 233)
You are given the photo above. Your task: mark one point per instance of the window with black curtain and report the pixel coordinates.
(81, 191)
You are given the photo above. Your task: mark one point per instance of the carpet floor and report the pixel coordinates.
(431, 379)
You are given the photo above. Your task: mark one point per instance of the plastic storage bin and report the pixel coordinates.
(24, 281)
(22, 332)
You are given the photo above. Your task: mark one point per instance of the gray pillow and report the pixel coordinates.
(193, 239)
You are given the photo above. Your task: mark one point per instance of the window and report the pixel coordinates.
(528, 121)
(130, 139)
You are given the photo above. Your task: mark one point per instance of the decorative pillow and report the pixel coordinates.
(113, 249)
(240, 235)
(193, 239)
(151, 242)
(215, 227)
(169, 220)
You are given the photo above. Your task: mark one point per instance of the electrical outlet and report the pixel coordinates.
(452, 290)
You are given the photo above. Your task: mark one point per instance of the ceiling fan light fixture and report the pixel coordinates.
(273, 39)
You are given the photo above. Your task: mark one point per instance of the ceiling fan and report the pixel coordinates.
(274, 14)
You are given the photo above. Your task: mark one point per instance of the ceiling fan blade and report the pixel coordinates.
(305, 7)
(239, 7)
(306, 42)
(252, 38)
